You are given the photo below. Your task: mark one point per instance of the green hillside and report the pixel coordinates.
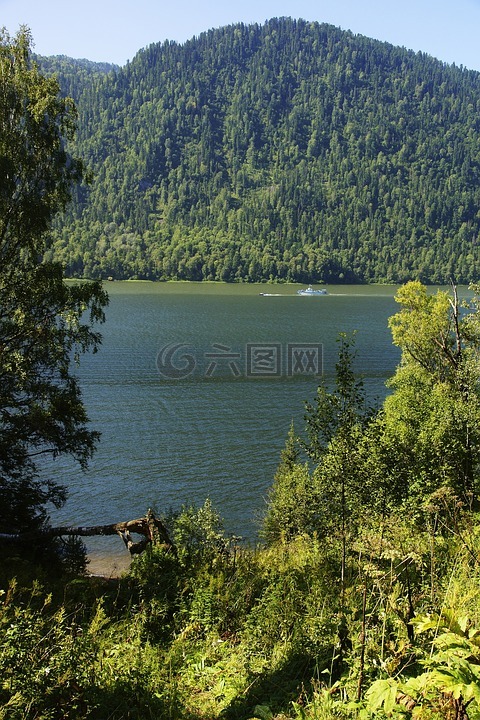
(289, 150)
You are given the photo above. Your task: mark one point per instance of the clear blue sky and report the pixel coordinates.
(114, 30)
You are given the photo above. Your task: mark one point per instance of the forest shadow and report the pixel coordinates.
(277, 689)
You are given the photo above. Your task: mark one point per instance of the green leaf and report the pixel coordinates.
(262, 712)
(382, 693)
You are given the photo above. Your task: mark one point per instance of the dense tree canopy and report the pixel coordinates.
(42, 323)
(434, 410)
(290, 150)
(420, 447)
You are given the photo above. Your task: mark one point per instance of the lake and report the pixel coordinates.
(194, 390)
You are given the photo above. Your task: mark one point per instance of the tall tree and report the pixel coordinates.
(45, 323)
(329, 499)
(434, 410)
(334, 427)
(292, 507)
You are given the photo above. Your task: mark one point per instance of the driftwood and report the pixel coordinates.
(152, 529)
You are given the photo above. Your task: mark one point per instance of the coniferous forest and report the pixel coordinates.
(288, 151)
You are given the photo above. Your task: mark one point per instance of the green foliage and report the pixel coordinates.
(434, 410)
(198, 534)
(37, 173)
(393, 493)
(255, 635)
(329, 500)
(334, 428)
(293, 505)
(157, 574)
(161, 573)
(44, 323)
(289, 151)
(451, 679)
(335, 414)
(46, 662)
(292, 502)
(362, 604)
(59, 665)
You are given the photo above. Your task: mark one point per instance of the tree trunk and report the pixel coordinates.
(152, 529)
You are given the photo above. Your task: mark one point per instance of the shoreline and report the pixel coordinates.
(107, 565)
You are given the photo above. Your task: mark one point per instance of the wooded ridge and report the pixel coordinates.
(290, 150)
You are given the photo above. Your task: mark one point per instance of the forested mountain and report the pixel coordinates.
(289, 150)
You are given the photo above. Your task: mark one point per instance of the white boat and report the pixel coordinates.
(310, 291)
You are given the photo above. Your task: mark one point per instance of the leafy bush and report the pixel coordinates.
(47, 662)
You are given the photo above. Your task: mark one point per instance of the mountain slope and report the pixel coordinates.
(289, 150)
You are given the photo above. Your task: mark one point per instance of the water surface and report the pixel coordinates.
(218, 431)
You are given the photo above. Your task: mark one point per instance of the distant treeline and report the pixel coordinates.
(290, 150)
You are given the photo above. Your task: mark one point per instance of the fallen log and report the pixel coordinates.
(152, 529)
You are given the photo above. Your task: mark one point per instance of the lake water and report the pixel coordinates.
(194, 390)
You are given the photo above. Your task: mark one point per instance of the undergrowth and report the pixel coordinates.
(220, 631)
